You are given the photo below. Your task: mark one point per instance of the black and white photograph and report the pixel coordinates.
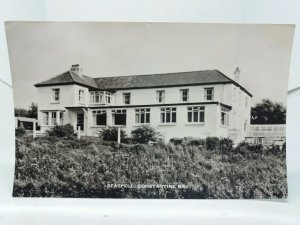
(150, 110)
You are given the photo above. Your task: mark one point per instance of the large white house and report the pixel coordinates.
(184, 104)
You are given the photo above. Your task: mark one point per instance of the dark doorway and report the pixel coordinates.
(80, 121)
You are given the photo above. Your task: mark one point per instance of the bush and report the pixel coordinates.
(61, 131)
(20, 132)
(144, 134)
(176, 141)
(111, 134)
(212, 143)
(226, 145)
(196, 142)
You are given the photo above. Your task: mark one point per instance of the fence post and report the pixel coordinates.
(34, 130)
(119, 135)
(78, 132)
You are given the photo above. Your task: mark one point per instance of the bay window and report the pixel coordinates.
(100, 97)
(224, 116)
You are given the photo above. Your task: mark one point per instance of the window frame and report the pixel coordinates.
(100, 97)
(212, 94)
(160, 96)
(142, 113)
(166, 112)
(225, 112)
(81, 98)
(54, 95)
(182, 96)
(196, 110)
(118, 111)
(127, 94)
(95, 113)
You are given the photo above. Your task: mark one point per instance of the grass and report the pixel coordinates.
(58, 167)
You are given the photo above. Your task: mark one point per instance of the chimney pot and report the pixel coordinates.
(75, 68)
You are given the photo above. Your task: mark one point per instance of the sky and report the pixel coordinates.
(41, 50)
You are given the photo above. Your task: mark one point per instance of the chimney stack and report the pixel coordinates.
(76, 69)
(237, 73)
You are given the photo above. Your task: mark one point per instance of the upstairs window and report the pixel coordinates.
(142, 116)
(168, 115)
(209, 94)
(224, 116)
(81, 96)
(99, 117)
(100, 97)
(196, 114)
(184, 95)
(55, 95)
(160, 96)
(126, 98)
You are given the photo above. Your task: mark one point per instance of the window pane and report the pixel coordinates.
(174, 117)
(202, 116)
(196, 116)
(101, 119)
(143, 118)
(120, 119)
(168, 117)
(189, 117)
(137, 118)
(148, 118)
(162, 117)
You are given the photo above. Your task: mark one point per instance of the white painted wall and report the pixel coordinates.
(224, 93)
(172, 94)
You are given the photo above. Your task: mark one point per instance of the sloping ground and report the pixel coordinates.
(90, 168)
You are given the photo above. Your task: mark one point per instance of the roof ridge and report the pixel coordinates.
(151, 74)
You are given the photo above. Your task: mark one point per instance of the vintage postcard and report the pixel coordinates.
(150, 110)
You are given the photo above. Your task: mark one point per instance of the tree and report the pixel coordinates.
(268, 112)
(31, 112)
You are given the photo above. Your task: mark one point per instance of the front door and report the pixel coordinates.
(80, 121)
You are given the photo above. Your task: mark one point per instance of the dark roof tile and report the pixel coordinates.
(142, 81)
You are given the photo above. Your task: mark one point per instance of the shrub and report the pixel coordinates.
(176, 141)
(111, 134)
(61, 131)
(20, 132)
(196, 142)
(144, 134)
(212, 143)
(226, 144)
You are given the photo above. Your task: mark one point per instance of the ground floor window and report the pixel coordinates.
(46, 118)
(224, 116)
(168, 115)
(119, 116)
(53, 118)
(196, 114)
(100, 117)
(142, 115)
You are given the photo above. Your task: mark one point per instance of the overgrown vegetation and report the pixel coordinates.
(20, 131)
(61, 131)
(111, 134)
(144, 134)
(60, 167)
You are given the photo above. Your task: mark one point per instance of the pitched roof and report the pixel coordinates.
(69, 77)
(143, 81)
